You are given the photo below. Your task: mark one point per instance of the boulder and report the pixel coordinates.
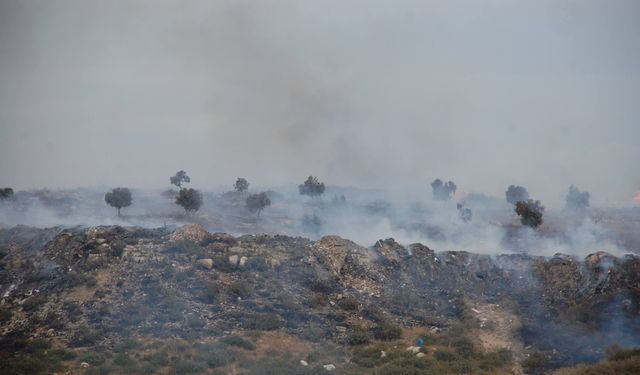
(190, 232)
(205, 263)
(243, 261)
(233, 260)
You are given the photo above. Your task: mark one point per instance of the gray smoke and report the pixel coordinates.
(362, 93)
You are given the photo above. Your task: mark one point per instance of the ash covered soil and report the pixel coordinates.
(112, 299)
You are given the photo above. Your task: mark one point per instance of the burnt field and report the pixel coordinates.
(116, 299)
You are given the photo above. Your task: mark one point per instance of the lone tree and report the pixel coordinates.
(257, 202)
(189, 199)
(6, 193)
(515, 194)
(443, 191)
(241, 185)
(180, 178)
(311, 187)
(118, 198)
(530, 212)
(576, 199)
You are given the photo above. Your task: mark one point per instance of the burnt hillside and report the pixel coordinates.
(125, 299)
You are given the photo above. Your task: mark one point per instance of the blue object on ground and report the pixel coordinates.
(420, 342)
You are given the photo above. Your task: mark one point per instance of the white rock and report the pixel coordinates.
(233, 260)
(413, 349)
(303, 362)
(206, 263)
(243, 260)
(383, 354)
(329, 367)
(420, 355)
(84, 365)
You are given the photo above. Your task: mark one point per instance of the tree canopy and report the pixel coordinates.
(577, 199)
(443, 191)
(241, 185)
(312, 187)
(6, 193)
(180, 178)
(258, 202)
(190, 199)
(530, 212)
(118, 198)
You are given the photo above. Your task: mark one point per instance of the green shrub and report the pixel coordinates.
(92, 358)
(264, 322)
(387, 331)
(464, 347)
(315, 300)
(617, 353)
(5, 314)
(373, 313)
(122, 359)
(73, 310)
(182, 366)
(194, 322)
(34, 302)
(157, 359)
(324, 286)
(496, 359)
(445, 355)
(239, 342)
(536, 364)
(358, 336)
(240, 289)
(210, 292)
(368, 356)
(84, 336)
(74, 279)
(348, 303)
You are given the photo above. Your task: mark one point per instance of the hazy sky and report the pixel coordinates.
(366, 93)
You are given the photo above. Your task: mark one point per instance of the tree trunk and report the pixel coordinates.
(119, 212)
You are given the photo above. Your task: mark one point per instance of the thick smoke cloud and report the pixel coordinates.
(364, 93)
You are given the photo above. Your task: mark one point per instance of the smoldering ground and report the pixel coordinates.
(364, 216)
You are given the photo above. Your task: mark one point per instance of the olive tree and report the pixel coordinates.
(190, 199)
(180, 178)
(443, 191)
(576, 199)
(6, 193)
(118, 198)
(258, 202)
(311, 187)
(241, 185)
(530, 212)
